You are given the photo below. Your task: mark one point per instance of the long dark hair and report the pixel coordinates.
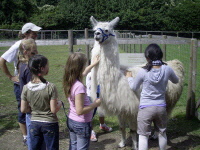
(153, 52)
(74, 68)
(35, 64)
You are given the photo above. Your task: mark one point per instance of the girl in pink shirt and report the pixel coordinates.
(81, 109)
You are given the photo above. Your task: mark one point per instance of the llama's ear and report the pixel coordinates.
(114, 21)
(93, 21)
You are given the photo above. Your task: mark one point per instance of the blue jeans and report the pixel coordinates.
(80, 133)
(28, 123)
(21, 116)
(42, 131)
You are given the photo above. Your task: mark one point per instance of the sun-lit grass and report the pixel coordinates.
(57, 56)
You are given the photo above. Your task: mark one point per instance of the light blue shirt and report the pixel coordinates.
(154, 85)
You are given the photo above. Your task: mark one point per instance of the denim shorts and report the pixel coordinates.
(149, 115)
(80, 133)
(42, 131)
(21, 116)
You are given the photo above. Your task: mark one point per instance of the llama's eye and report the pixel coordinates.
(106, 30)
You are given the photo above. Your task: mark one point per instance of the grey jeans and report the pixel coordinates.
(147, 115)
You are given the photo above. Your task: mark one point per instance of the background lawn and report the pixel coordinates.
(178, 126)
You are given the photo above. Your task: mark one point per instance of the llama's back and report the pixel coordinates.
(174, 91)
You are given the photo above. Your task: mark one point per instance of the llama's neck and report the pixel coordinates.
(109, 68)
(109, 54)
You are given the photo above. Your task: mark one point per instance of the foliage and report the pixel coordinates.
(185, 16)
(174, 15)
(47, 17)
(13, 13)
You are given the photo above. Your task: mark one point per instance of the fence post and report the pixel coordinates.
(41, 35)
(149, 36)
(70, 40)
(87, 47)
(164, 47)
(12, 34)
(190, 108)
(126, 45)
(164, 51)
(164, 36)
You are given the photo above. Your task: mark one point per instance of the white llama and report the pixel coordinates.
(117, 98)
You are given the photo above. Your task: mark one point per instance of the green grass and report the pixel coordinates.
(57, 56)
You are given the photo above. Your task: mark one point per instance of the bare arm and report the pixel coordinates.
(79, 104)
(88, 68)
(25, 107)
(55, 105)
(6, 71)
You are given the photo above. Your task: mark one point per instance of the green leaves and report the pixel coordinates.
(173, 15)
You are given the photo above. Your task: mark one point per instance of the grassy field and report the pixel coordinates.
(57, 56)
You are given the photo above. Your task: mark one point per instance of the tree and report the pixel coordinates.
(184, 17)
(13, 14)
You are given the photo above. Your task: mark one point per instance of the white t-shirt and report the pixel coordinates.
(11, 55)
(88, 84)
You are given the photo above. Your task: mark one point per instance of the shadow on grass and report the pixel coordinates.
(100, 145)
(7, 122)
(182, 134)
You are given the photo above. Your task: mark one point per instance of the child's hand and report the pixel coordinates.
(96, 60)
(97, 102)
(14, 78)
(128, 74)
(59, 103)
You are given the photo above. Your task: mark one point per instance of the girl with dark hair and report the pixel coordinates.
(81, 109)
(153, 78)
(41, 98)
(154, 55)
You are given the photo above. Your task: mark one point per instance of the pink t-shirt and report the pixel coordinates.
(78, 88)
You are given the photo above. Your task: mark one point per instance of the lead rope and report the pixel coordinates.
(64, 109)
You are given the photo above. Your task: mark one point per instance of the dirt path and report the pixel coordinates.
(12, 140)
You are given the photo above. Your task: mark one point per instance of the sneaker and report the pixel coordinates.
(25, 142)
(93, 137)
(153, 137)
(104, 127)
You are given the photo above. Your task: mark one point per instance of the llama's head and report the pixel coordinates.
(103, 30)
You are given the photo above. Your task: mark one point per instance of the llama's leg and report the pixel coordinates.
(134, 139)
(123, 137)
(123, 131)
(154, 135)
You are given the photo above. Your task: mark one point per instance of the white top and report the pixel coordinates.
(11, 55)
(88, 84)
